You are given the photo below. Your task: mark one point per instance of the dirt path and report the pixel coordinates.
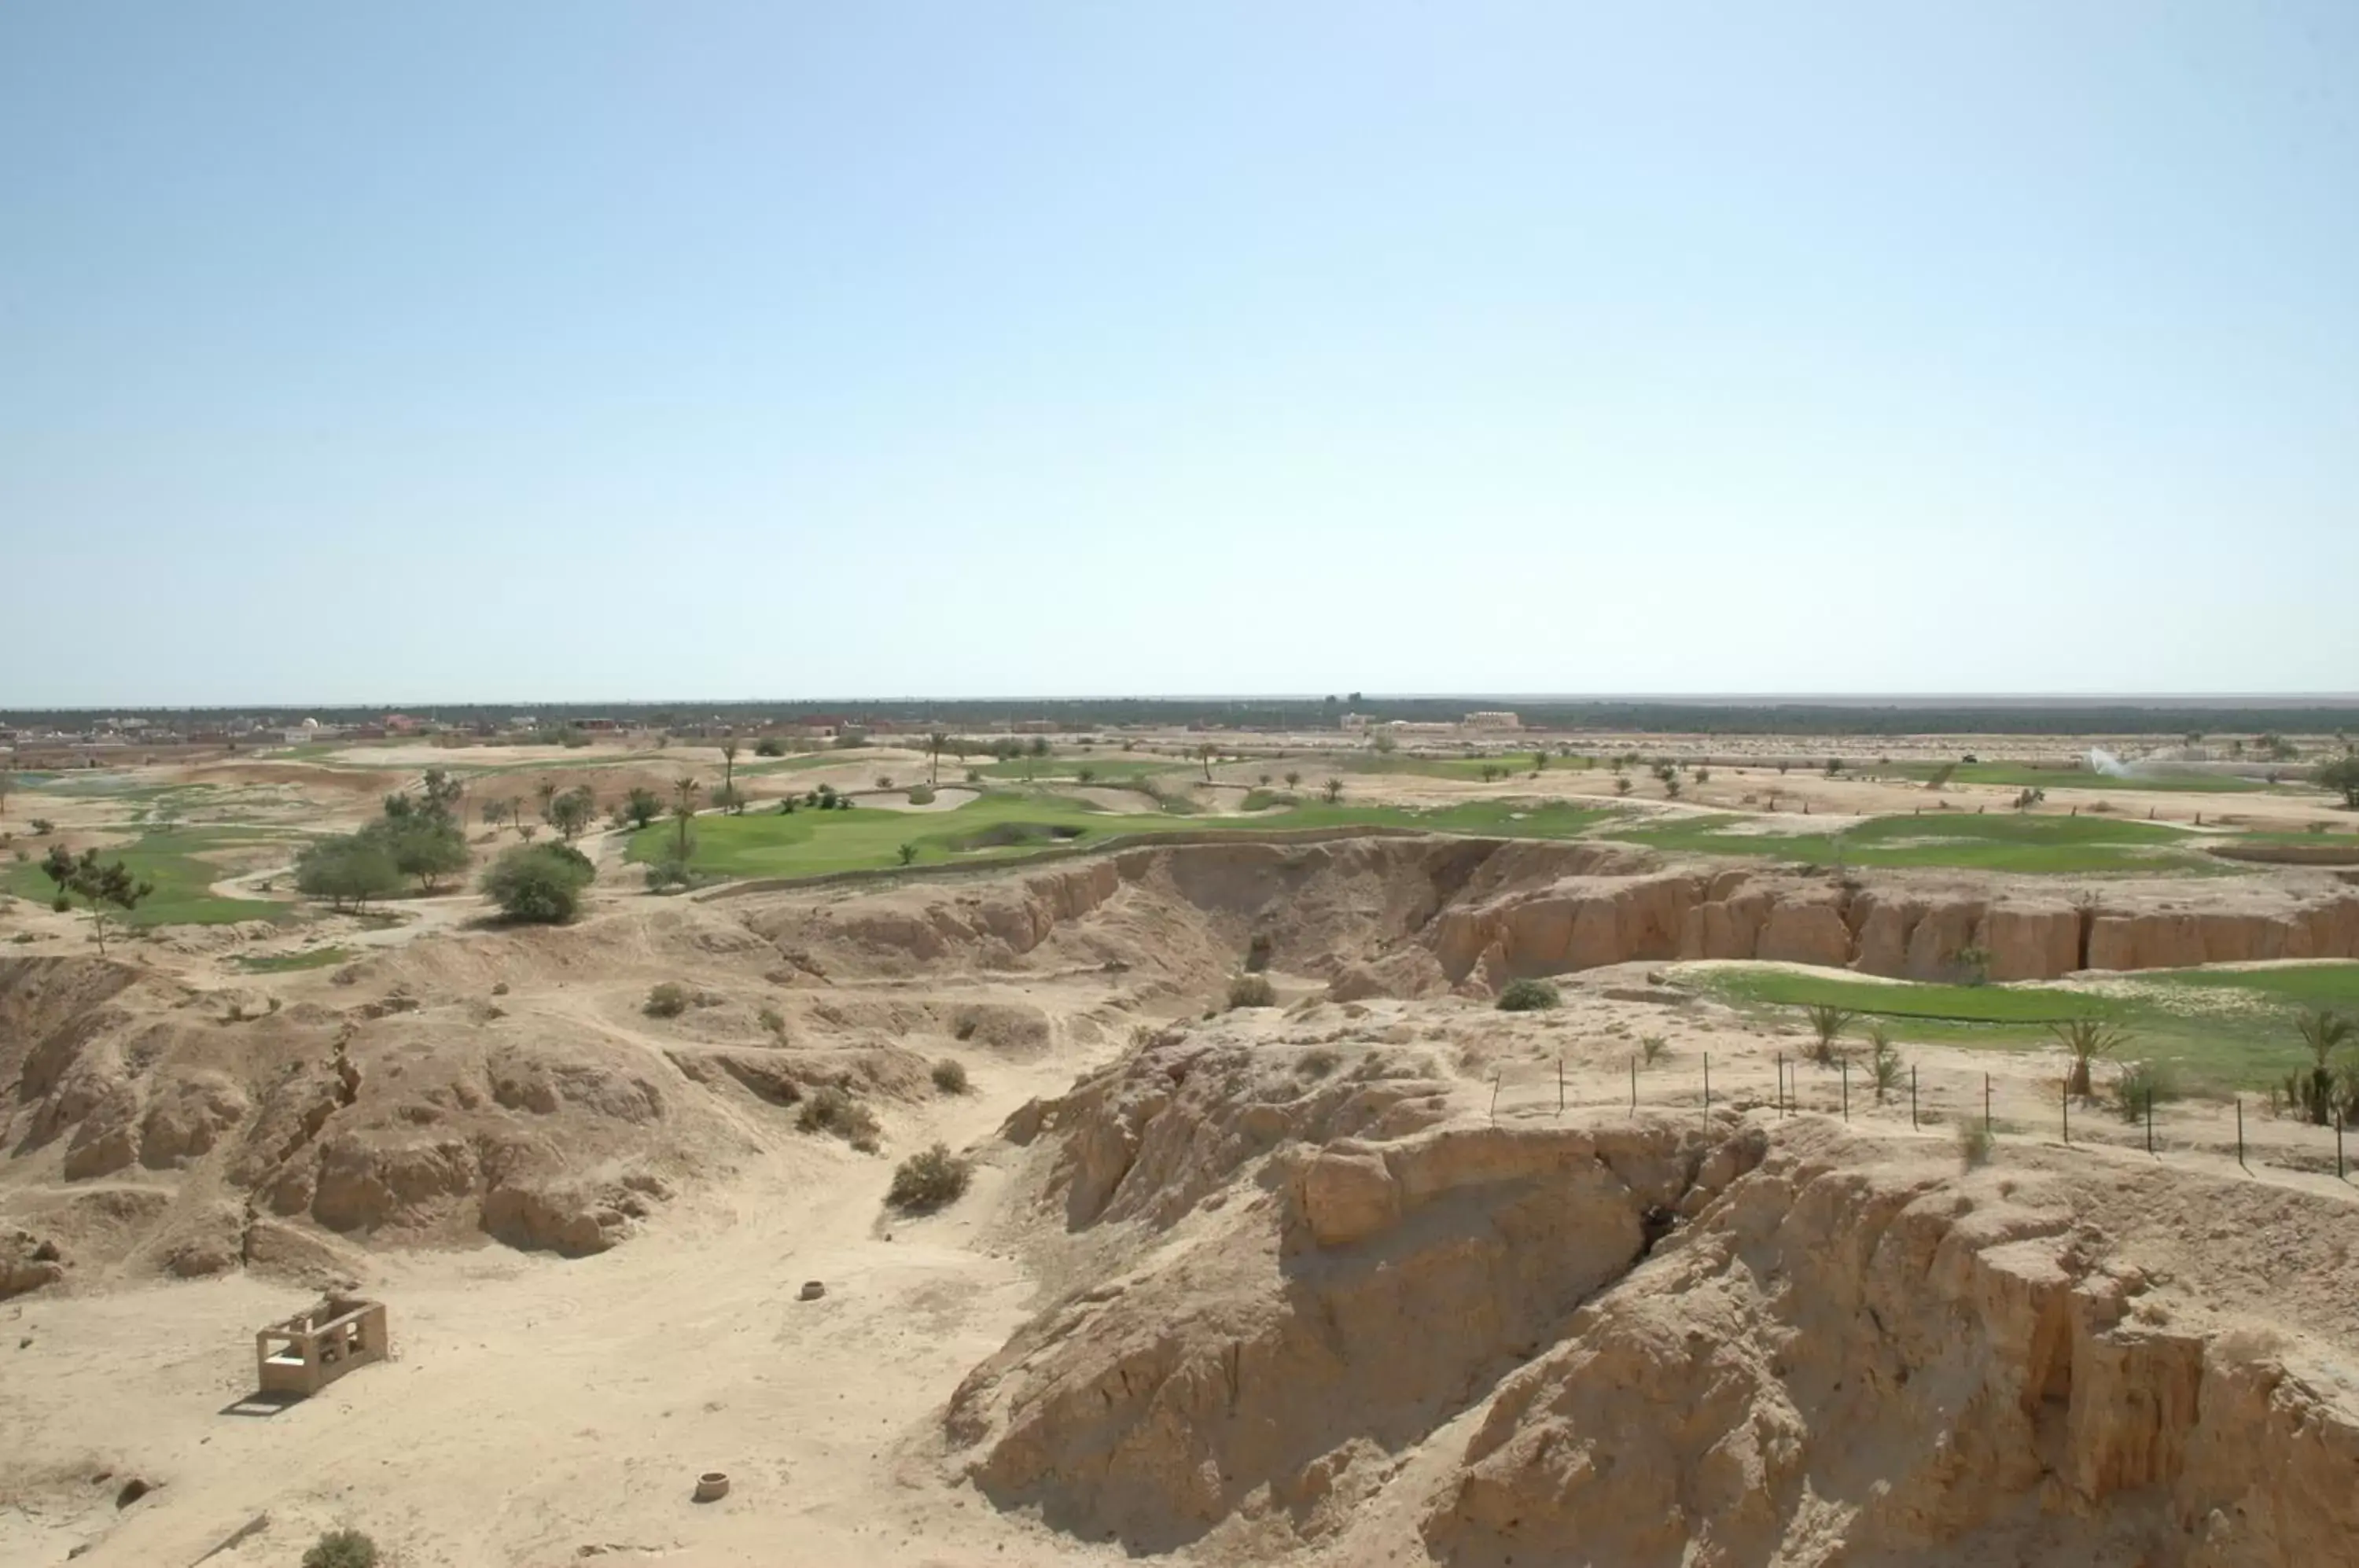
(540, 1406)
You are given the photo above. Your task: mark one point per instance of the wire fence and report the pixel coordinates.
(1965, 1103)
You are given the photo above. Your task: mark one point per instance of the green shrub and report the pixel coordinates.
(921, 794)
(341, 1549)
(668, 875)
(1528, 997)
(927, 1181)
(1973, 1144)
(949, 1076)
(2138, 1084)
(1252, 991)
(539, 883)
(1884, 1067)
(834, 1110)
(667, 1001)
(1828, 1023)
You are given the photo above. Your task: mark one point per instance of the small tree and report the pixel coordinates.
(1333, 790)
(2086, 1039)
(572, 811)
(101, 887)
(1621, 784)
(1828, 1024)
(540, 884)
(1383, 742)
(494, 813)
(1204, 754)
(546, 792)
(2341, 776)
(908, 852)
(642, 806)
(1293, 780)
(349, 869)
(729, 761)
(516, 816)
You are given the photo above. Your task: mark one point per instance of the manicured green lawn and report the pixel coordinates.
(2031, 776)
(1102, 769)
(999, 826)
(1995, 841)
(169, 859)
(2220, 1029)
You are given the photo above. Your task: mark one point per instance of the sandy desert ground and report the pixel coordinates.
(1375, 1273)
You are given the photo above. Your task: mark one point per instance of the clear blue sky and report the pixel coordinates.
(551, 350)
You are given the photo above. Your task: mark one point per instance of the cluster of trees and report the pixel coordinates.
(418, 838)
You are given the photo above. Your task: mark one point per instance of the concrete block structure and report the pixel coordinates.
(306, 1353)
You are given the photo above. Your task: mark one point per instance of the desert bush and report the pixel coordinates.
(668, 875)
(43, 827)
(2318, 1093)
(1974, 966)
(341, 1549)
(1704, 775)
(1621, 784)
(1973, 1144)
(1252, 991)
(949, 1076)
(834, 1110)
(1527, 997)
(2136, 1084)
(1885, 1068)
(1653, 1048)
(667, 1001)
(1257, 953)
(927, 1181)
(1828, 1025)
(774, 1021)
(539, 883)
(1316, 1062)
(921, 795)
(769, 746)
(2086, 1039)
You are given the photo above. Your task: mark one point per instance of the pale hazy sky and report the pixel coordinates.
(574, 349)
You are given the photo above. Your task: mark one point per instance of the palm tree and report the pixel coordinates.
(547, 790)
(2321, 1092)
(516, 816)
(2087, 1040)
(1205, 754)
(728, 763)
(684, 791)
(1828, 1022)
(935, 744)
